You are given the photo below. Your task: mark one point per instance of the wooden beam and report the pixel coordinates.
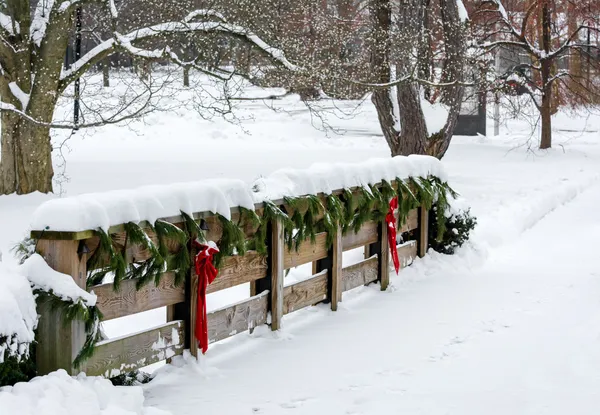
(307, 252)
(423, 239)
(359, 274)
(237, 318)
(236, 270)
(277, 269)
(60, 342)
(128, 300)
(365, 236)
(305, 293)
(125, 354)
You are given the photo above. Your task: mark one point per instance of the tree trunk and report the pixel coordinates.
(26, 164)
(546, 64)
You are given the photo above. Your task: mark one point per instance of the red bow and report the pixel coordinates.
(390, 220)
(206, 272)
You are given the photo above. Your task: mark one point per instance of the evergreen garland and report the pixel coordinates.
(349, 211)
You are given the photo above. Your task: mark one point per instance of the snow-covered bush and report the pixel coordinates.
(459, 222)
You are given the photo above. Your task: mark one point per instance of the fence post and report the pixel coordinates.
(423, 236)
(277, 270)
(381, 249)
(333, 264)
(59, 341)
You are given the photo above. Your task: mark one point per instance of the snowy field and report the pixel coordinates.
(510, 325)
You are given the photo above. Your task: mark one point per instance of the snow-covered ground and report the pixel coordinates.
(510, 325)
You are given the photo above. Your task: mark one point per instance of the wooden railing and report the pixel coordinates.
(58, 344)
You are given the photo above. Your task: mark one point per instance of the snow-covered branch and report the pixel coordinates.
(125, 42)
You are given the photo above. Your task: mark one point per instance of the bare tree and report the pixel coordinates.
(549, 32)
(415, 63)
(33, 42)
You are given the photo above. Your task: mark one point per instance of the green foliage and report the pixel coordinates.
(307, 216)
(14, 370)
(454, 232)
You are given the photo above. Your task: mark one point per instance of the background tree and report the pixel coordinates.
(33, 45)
(418, 59)
(554, 37)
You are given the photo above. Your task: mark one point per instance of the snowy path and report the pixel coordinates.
(519, 334)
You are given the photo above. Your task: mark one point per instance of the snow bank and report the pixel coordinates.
(58, 393)
(103, 210)
(19, 316)
(326, 177)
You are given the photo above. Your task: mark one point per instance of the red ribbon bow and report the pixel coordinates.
(206, 272)
(390, 219)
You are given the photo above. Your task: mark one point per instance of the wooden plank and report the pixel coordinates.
(383, 267)
(236, 270)
(365, 236)
(277, 269)
(407, 252)
(128, 300)
(359, 274)
(237, 318)
(336, 269)
(305, 293)
(423, 231)
(307, 252)
(124, 354)
(412, 221)
(59, 342)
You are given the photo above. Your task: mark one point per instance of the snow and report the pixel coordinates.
(58, 393)
(327, 177)
(19, 316)
(435, 115)
(41, 17)
(509, 325)
(19, 94)
(102, 210)
(462, 11)
(44, 278)
(6, 23)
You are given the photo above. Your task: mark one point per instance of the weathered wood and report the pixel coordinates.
(307, 252)
(128, 300)
(59, 342)
(305, 293)
(277, 269)
(359, 274)
(236, 270)
(407, 252)
(365, 236)
(193, 307)
(423, 231)
(237, 318)
(412, 221)
(336, 269)
(125, 354)
(383, 266)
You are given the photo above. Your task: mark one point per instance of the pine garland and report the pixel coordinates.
(307, 216)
